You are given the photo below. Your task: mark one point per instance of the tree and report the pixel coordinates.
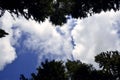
(56, 10)
(110, 63)
(100, 75)
(22, 77)
(53, 70)
(83, 72)
(79, 71)
(72, 66)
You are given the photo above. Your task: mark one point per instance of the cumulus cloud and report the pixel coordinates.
(94, 35)
(7, 51)
(46, 40)
(77, 39)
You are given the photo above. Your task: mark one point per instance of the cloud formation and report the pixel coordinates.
(47, 41)
(77, 39)
(94, 35)
(7, 51)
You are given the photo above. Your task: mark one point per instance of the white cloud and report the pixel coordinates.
(7, 52)
(91, 36)
(94, 35)
(46, 41)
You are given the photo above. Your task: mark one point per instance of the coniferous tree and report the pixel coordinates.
(110, 63)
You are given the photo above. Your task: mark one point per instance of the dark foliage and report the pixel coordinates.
(100, 75)
(22, 77)
(53, 70)
(110, 63)
(56, 10)
(2, 33)
(76, 70)
(82, 72)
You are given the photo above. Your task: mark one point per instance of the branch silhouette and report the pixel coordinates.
(56, 10)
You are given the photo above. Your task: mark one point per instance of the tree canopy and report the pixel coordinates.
(110, 63)
(53, 70)
(76, 70)
(56, 10)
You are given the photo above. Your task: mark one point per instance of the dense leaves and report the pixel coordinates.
(56, 10)
(50, 71)
(76, 70)
(110, 62)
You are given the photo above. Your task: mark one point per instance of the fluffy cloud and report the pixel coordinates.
(77, 39)
(47, 40)
(94, 35)
(7, 52)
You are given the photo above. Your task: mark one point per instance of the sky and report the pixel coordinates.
(29, 43)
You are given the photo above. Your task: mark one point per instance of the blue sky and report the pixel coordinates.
(29, 43)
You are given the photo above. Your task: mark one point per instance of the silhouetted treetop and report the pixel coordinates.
(50, 70)
(2, 33)
(110, 62)
(56, 10)
(77, 70)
